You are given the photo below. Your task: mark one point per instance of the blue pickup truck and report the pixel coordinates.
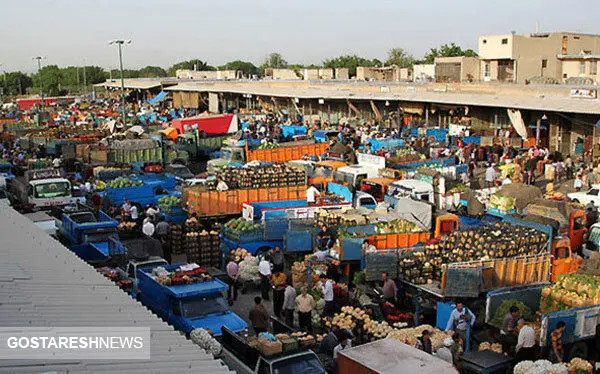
(91, 235)
(152, 188)
(189, 306)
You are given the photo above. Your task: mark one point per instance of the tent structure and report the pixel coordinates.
(158, 98)
(171, 133)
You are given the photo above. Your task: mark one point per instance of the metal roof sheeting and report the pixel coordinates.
(42, 283)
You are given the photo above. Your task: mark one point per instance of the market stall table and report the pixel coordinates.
(485, 362)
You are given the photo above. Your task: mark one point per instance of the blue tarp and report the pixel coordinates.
(158, 98)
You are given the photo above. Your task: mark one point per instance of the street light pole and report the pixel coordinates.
(39, 61)
(119, 43)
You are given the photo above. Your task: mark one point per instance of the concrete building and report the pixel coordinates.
(456, 69)
(283, 74)
(383, 74)
(580, 68)
(342, 74)
(520, 58)
(424, 73)
(203, 75)
(317, 74)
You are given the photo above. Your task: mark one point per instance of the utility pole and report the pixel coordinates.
(39, 62)
(84, 79)
(119, 43)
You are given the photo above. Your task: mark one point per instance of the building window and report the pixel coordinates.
(505, 41)
(582, 68)
(487, 70)
(544, 63)
(594, 68)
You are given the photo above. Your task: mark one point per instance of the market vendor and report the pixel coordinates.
(278, 282)
(390, 291)
(460, 318)
(509, 329)
(327, 289)
(311, 195)
(326, 238)
(221, 185)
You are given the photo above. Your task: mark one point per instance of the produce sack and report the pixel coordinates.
(269, 348)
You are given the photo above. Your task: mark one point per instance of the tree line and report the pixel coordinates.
(77, 79)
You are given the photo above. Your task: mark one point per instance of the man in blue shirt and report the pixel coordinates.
(460, 318)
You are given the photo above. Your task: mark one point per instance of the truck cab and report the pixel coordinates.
(39, 189)
(181, 172)
(376, 187)
(352, 176)
(323, 172)
(229, 155)
(187, 306)
(592, 241)
(415, 189)
(129, 270)
(245, 359)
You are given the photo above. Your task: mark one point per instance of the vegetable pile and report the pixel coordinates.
(504, 308)
(179, 276)
(503, 203)
(123, 182)
(248, 268)
(166, 203)
(267, 145)
(234, 228)
(487, 346)
(205, 340)
(540, 367)
(397, 226)
(239, 254)
(571, 291)
(410, 335)
(264, 176)
(578, 365)
(498, 241)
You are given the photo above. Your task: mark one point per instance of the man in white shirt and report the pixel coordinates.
(490, 175)
(134, 212)
(525, 349)
(327, 289)
(264, 269)
(148, 228)
(311, 195)
(126, 210)
(152, 211)
(345, 343)
(221, 185)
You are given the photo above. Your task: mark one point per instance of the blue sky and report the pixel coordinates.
(68, 32)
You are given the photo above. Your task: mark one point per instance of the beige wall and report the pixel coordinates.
(491, 47)
(192, 74)
(424, 72)
(284, 74)
(326, 73)
(342, 74)
(469, 69)
(571, 68)
(530, 50)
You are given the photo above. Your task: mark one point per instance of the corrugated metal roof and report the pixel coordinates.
(542, 103)
(42, 283)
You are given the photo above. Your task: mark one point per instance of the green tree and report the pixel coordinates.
(350, 62)
(190, 65)
(152, 72)
(447, 50)
(400, 58)
(15, 83)
(127, 73)
(51, 80)
(274, 60)
(247, 68)
(94, 74)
